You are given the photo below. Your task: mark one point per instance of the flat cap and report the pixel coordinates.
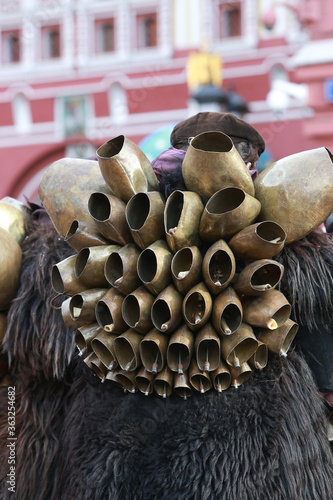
(207, 121)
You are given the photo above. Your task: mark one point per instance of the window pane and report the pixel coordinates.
(11, 46)
(230, 19)
(146, 29)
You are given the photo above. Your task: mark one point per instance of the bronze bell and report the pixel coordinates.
(166, 310)
(227, 313)
(145, 214)
(218, 267)
(163, 382)
(211, 163)
(127, 380)
(261, 240)
(279, 340)
(84, 234)
(208, 348)
(199, 379)
(268, 310)
(258, 277)
(136, 309)
(108, 312)
(10, 268)
(221, 377)
(297, 192)
(240, 375)
(154, 267)
(108, 213)
(111, 376)
(84, 336)
(127, 348)
(240, 346)
(125, 168)
(90, 263)
(64, 200)
(153, 348)
(182, 386)
(182, 214)
(121, 268)
(197, 306)
(63, 277)
(145, 381)
(186, 268)
(13, 215)
(99, 368)
(227, 211)
(103, 347)
(180, 349)
(89, 358)
(82, 305)
(72, 323)
(260, 357)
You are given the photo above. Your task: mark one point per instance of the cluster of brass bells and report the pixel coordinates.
(168, 295)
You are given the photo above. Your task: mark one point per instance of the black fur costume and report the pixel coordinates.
(80, 439)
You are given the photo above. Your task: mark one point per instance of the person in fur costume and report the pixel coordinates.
(79, 438)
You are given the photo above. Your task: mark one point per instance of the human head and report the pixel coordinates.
(246, 139)
(168, 164)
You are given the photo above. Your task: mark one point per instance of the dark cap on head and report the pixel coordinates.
(227, 123)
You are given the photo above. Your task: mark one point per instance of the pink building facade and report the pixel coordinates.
(74, 74)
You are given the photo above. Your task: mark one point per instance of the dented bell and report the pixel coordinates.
(84, 234)
(154, 266)
(180, 349)
(90, 263)
(108, 312)
(211, 163)
(136, 309)
(268, 310)
(227, 313)
(279, 340)
(153, 348)
(258, 277)
(103, 347)
(64, 200)
(182, 214)
(163, 382)
(127, 348)
(207, 348)
(228, 211)
(262, 240)
(121, 268)
(166, 310)
(125, 168)
(199, 380)
(186, 268)
(240, 346)
(108, 213)
(145, 214)
(218, 267)
(197, 306)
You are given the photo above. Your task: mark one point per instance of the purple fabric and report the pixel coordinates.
(168, 161)
(254, 174)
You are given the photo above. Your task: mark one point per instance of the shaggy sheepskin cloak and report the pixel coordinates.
(78, 438)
